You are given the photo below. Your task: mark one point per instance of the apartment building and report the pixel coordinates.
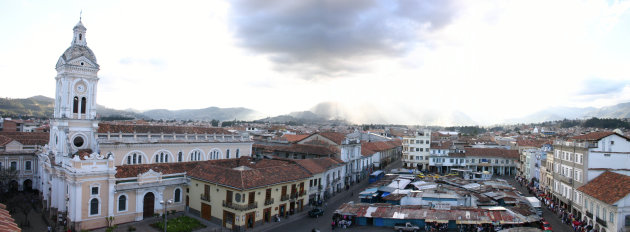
(416, 149)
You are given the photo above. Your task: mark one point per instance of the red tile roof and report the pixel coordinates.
(532, 143)
(319, 165)
(441, 145)
(294, 138)
(125, 171)
(297, 148)
(131, 128)
(596, 136)
(366, 152)
(334, 136)
(7, 223)
(492, 152)
(29, 138)
(245, 174)
(608, 187)
(4, 140)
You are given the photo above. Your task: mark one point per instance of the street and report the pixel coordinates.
(553, 219)
(323, 223)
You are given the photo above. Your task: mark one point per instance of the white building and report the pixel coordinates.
(79, 176)
(605, 202)
(581, 159)
(416, 150)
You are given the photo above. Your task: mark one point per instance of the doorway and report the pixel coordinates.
(149, 205)
(206, 211)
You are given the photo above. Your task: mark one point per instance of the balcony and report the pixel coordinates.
(285, 197)
(268, 201)
(240, 207)
(601, 222)
(205, 197)
(589, 214)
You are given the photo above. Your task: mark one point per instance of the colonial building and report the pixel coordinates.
(243, 193)
(493, 160)
(79, 167)
(327, 177)
(18, 159)
(581, 159)
(605, 202)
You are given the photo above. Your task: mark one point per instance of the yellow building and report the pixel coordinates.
(244, 193)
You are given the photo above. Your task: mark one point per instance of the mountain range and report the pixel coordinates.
(325, 112)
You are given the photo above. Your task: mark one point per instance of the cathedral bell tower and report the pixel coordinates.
(74, 124)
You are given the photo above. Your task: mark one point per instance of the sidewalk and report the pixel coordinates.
(356, 188)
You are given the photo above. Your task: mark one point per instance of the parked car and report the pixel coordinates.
(420, 175)
(546, 226)
(406, 227)
(316, 212)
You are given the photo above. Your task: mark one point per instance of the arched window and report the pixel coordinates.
(195, 155)
(177, 197)
(75, 105)
(94, 206)
(157, 158)
(122, 203)
(179, 157)
(134, 158)
(83, 103)
(80, 36)
(227, 154)
(237, 152)
(161, 156)
(166, 158)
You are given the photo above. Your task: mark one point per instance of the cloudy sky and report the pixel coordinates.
(389, 61)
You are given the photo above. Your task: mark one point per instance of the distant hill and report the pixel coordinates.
(617, 111)
(37, 106)
(42, 107)
(621, 110)
(207, 114)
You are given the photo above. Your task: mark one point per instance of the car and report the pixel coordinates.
(452, 174)
(420, 175)
(400, 227)
(546, 226)
(316, 212)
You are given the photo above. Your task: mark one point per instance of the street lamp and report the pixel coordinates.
(166, 206)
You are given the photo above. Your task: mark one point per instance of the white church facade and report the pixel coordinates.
(78, 167)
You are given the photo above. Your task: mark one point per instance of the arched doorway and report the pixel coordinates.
(13, 186)
(149, 203)
(28, 185)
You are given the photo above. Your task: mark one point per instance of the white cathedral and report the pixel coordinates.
(79, 176)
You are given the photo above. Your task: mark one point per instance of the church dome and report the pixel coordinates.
(76, 51)
(78, 48)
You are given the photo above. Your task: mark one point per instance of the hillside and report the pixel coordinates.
(37, 106)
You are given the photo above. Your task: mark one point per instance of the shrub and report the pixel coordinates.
(180, 224)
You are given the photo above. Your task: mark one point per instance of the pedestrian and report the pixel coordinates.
(333, 225)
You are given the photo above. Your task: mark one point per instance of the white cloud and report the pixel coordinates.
(492, 60)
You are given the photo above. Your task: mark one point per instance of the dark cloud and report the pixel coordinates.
(328, 38)
(596, 86)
